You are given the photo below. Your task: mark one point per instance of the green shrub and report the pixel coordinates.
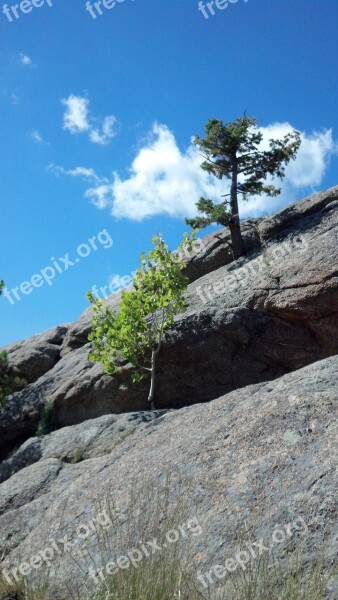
(136, 332)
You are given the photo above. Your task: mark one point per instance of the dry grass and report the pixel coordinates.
(22, 590)
(170, 573)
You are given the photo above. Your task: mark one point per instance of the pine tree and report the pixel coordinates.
(232, 150)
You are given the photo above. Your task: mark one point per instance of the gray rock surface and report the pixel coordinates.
(38, 354)
(252, 461)
(253, 320)
(214, 250)
(90, 439)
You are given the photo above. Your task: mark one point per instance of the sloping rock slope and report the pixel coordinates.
(90, 439)
(254, 460)
(249, 321)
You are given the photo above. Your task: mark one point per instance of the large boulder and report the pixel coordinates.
(269, 313)
(253, 462)
(33, 357)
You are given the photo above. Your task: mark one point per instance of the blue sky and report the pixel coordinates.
(97, 117)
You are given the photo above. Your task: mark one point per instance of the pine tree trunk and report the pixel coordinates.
(234, 224)
(151, 397)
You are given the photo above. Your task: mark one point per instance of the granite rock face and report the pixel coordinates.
(214, 250)
(252, 365)
(93, 438)
(259, 459)
(267, 314)
(32, 358)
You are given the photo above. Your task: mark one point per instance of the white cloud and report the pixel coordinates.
(312, 159)
(304, 174)
(83, 172)
(37, 137)
(76, 119)
(86, 174)
(26, 60)
(164, 180)
(107, 132)
(14, 99)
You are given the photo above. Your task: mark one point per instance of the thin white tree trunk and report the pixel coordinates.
(151, 397)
